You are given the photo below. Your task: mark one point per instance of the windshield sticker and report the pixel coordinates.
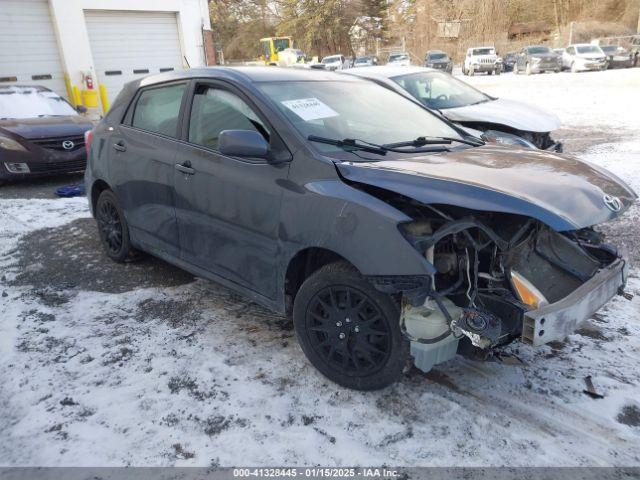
(310, 109)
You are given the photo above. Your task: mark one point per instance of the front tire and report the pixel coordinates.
(349, 330)
(113, 228)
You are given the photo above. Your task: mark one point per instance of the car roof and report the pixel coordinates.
(582, 45)
(435, 51)
(245, 75)
(386, 71)
(478, 48)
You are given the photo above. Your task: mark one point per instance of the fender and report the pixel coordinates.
(335, 216)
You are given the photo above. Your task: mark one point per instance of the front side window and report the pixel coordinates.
(372, 114)
(215, 110)
(440, 91)
(157, 109)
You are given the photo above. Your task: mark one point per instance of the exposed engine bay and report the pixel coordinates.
(492, 274)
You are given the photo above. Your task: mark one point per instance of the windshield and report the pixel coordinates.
(398, 57)
(437, 56)
(330, 59)
(363, 60)
(32, 102)
(588, 49)
(483, 51)
(372, 114)
(539, 49)
(440, 91)
(279, 44)
(610, 48)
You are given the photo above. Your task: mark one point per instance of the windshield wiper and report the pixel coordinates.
(422, 141)
(350, 144)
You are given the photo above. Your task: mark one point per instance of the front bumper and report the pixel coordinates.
(545, 67)
(485, 67)
(592, 65)
(555, 321)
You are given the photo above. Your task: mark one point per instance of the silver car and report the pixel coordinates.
(500, 120)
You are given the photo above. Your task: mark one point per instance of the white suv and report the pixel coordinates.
(584, 56)
(482, 59)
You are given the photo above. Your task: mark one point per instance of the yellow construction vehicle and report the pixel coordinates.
(271, 46)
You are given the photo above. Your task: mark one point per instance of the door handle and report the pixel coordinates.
(120, 146)
(185, 167)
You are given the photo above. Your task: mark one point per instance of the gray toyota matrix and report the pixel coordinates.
(390, 235)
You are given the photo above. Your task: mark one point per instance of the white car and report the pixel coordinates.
(481, 59)
(581, 57)
(499, 120)
(334, 62)
(399, 60)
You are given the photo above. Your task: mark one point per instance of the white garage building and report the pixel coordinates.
(57, 43)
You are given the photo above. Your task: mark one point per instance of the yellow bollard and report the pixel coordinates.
(90, 98)
(103, 98)
(67, 83)
(76, 96)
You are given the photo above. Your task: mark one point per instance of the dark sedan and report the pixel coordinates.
(617, 57)
(509, 61)
(439, 60)
(40, 133)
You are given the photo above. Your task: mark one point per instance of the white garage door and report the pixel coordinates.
(28, 46)
(129, 45)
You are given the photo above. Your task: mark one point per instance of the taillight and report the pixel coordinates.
(87, 139)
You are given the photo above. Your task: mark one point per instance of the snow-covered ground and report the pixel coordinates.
(103, 364)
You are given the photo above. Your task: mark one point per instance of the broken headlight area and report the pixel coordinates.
(498, 278)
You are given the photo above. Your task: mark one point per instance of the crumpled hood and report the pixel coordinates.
(46, 127)
(510, 113)
(559, 190)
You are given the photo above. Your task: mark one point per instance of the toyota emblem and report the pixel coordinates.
(68, 144)
(613, 203)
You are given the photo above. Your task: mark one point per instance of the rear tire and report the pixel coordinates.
(349, 330)
(113, 228)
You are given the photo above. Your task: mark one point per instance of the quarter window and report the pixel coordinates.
(215, 110)
(157, 109)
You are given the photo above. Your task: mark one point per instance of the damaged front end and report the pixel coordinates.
(498, 278)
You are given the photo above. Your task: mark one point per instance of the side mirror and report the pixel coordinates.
(242, 143)
(81, 109)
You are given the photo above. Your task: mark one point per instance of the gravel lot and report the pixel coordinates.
(143, 364)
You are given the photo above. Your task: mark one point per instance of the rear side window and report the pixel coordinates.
(215, 110)
(157, 109)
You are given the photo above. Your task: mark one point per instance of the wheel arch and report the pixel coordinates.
(303, 264)
(97, 188)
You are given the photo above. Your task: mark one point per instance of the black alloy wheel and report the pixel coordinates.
(349, 330)
(112, 227)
